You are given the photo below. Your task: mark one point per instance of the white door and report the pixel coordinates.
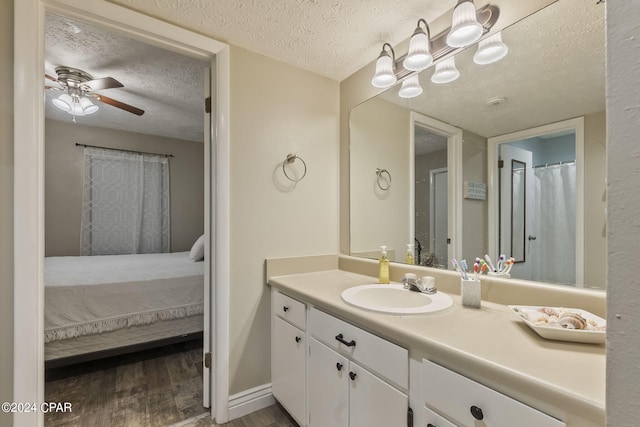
(328, 387)
(516, 182)
(439, 214)
(373, 402)
(288, 368)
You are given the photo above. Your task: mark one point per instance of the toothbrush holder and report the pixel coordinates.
(503, 275)
(470, 291)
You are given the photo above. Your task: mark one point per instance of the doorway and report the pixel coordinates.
(29, 186)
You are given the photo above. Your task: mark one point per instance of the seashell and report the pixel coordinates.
(572, 321)
(548, 311)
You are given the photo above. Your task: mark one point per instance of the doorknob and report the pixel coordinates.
(532, 237)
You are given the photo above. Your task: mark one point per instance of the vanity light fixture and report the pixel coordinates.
(419, 56)
(385, 75)
(410, 87)
(446, 71)
(491, 50)
(465, 28)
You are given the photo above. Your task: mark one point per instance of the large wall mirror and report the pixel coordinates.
(553, 72)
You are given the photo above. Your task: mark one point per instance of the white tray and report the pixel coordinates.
(562, 334)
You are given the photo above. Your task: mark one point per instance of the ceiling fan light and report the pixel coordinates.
(384, 76)
(87, 106)
(410, 87)
(491, 50)
(63, 102)
(465, 28)
(446, 72)
(419, 57)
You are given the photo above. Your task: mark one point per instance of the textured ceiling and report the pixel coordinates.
(168, 86)
(333, 38)
(555, 70)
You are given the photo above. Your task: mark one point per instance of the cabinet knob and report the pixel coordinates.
(477, 413)
(352, 375)
(430, 425)
(285, 308)
(340, 338)
(339, 366)
(298, 339)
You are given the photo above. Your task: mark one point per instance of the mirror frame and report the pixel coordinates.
(576, 125)
(454, 180)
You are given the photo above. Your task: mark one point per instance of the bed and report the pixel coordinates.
(103, 305)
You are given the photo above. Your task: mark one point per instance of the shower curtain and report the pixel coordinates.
(552, 220)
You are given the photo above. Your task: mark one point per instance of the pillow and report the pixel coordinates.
(197, 250)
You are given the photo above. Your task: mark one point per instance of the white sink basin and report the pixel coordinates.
(394, 299)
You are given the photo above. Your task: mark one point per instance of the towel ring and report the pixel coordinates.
(290, 159)
(379, 173)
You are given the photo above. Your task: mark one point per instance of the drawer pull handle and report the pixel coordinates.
(477, 413)
(352, 375)
(285, 308)
(340, 338)
(298, 339)
(430, 425)
(339, 366)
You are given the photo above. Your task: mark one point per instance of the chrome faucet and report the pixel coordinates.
(426, 285)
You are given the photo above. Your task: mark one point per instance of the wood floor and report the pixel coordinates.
(154, 388)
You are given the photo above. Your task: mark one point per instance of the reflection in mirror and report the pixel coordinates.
(554, 71)
(518, 210)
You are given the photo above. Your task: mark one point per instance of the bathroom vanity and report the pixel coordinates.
(338, 365)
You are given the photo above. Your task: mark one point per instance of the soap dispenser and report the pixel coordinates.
(408, 259)
(383, 266)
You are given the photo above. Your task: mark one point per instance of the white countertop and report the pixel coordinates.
(490, 345)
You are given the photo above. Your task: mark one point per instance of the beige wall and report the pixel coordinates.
(276, 109)
(64, 174)
(475, 214)
(6, 206)
(623, 205)
(595, 200)
(380, 134)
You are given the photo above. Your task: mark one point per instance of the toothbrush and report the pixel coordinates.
(476, 270)
(464, 270)
(501, 263)
(510, 262)
(488, 258)
(455, 265)
(484, 266)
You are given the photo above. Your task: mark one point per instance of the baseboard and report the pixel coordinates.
(249, 401)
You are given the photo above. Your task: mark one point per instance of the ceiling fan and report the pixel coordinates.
(79, 86)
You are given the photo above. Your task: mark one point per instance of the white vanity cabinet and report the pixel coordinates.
(467, 403)
(354, 378)
(288, 346)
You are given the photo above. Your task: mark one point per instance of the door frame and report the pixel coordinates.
(454, 184)
(432, 212)
(28, 351)
(575, 124)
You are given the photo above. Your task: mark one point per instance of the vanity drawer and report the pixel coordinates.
(459, 398)
(432, 419)
(289, 309)
(379, 355)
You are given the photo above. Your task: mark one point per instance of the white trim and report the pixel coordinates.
(454, 165)
(29, 182)
(576, 124)
(248, 401)
(432, 197)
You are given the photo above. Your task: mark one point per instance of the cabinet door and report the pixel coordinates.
(373, 402)
(288, 367)
(328, 387)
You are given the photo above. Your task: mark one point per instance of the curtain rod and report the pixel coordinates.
(120, 149)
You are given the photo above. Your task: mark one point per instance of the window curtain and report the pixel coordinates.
(126, 203)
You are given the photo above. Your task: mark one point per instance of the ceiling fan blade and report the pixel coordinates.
(103, 83)
(48, 77)
(52, 88)
(118, 104)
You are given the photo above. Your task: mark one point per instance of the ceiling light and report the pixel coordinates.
(75, 105)
(410, 87)
(385, 76)
(490, 50)
(446, 71)
(419, 56)
(465, 28)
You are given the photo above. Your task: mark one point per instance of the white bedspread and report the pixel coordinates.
(94, 294)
